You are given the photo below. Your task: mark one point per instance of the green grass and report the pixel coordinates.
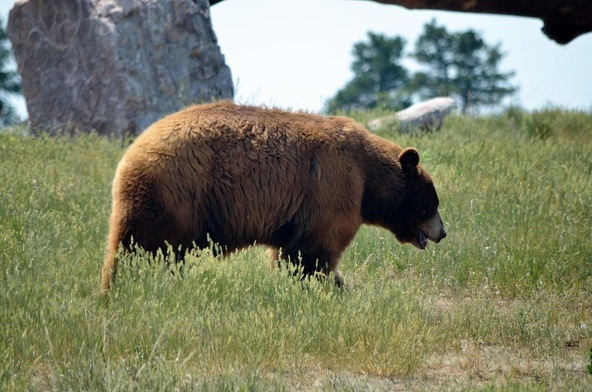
(503, 303)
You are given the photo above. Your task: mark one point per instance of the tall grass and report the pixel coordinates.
(502, 303)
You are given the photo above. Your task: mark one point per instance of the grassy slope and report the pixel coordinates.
(502, 303)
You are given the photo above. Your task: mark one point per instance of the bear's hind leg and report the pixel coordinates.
(109, 271)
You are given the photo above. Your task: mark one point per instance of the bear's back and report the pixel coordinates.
(228, 137)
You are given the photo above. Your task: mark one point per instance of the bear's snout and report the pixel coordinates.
(434, 228)
(441, 237)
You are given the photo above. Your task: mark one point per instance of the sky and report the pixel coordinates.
(297, 53)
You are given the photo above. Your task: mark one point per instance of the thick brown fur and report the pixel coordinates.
(299, 183)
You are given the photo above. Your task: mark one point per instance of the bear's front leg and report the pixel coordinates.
(310, 260)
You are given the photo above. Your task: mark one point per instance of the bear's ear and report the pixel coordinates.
(409, 159)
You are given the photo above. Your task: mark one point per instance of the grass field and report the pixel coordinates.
(503, 303)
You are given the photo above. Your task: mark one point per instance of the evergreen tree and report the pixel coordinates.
(461, 65)
(378, 76)
(9, 80)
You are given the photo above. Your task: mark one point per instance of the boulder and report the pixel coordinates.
(427, 115)
(114, 66)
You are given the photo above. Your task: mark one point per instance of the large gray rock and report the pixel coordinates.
(114, 66)
(427, 115)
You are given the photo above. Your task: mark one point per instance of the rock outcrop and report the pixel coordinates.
(114, 66)
(427, 115)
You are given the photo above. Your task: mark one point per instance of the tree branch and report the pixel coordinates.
(563, 20)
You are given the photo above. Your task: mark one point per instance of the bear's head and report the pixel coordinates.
(418, 219)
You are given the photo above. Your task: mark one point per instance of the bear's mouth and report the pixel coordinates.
(422, 240)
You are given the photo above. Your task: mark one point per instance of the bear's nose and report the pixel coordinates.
(441, 236)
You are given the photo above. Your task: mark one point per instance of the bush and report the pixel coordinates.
(545, 123)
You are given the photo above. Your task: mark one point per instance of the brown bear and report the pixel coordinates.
(298, 183)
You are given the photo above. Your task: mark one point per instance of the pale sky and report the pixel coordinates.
(297, 53)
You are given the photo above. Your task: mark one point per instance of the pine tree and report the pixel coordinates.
(461, 65)
(378, 76)
(9, 80)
